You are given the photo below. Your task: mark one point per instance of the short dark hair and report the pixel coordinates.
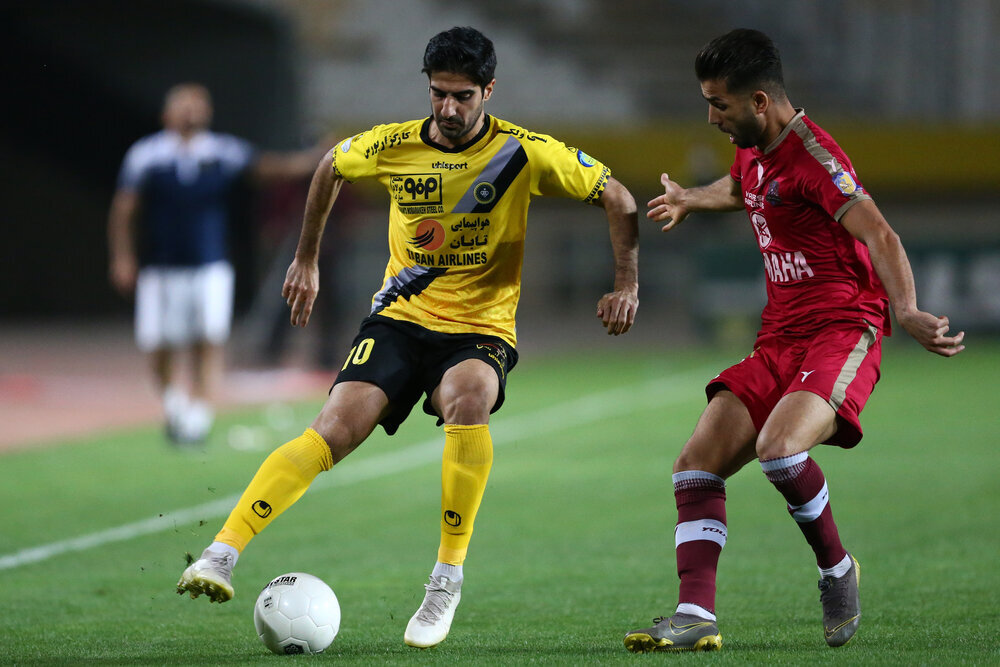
(463, 51)
(745, 60)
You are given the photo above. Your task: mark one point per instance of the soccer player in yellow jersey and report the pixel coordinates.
(442, 324)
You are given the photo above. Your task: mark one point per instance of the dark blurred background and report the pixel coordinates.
(911, 90)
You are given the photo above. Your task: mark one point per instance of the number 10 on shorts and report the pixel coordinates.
(359, 353)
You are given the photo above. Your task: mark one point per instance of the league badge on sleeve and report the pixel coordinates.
(585, 159)
(845, 183)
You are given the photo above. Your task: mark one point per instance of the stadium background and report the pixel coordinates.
(910, 89)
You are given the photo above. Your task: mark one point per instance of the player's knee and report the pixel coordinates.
(471, 406)
(770, 446)
(340, 436)
(689, 459)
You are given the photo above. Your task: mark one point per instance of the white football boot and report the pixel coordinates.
(211, 574)
(430, 625)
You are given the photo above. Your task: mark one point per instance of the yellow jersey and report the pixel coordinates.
(458, 216)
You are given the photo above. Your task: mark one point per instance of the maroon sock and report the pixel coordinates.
(801, 482)
(700, 534)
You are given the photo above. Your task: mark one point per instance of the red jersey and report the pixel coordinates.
(795, 192)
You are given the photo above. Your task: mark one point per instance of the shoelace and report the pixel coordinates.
(833, 592)
(435, 603)
(222, 563)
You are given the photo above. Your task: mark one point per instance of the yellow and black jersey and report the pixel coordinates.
(457, 217)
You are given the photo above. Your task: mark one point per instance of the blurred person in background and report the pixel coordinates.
(442, 325)
(167, 239)
(833, 267)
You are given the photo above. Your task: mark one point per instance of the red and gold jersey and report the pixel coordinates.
(457, 217)
(795, 193)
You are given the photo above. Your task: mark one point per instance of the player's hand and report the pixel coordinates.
(668, 206)
(929, 330)
(617, 310)
(122, 273)
(300, 290)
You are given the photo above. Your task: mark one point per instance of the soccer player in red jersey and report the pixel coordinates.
(833, 267)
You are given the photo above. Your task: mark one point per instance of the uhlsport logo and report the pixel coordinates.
(452, 518)
(262, 509)
(429, 236)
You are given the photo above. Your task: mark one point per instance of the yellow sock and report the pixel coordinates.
(280, 481)
(468, 455)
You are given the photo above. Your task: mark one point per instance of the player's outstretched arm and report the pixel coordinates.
(865, 222)
(617, 309)
(302, 279)
(676, 202)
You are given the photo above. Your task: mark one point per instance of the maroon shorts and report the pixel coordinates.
(839, 364)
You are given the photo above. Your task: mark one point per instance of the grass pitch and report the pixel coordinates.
(573, 545)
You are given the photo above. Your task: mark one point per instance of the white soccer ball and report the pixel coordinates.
(297, 613)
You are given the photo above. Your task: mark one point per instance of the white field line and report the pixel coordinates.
(575, 412)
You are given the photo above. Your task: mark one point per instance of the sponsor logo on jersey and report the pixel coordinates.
(429, 236)
(450, 166)
(760, 229)
(845, 183)
(484, 192)
(386, 142)
(417, 193)
(448, 258)
(585, 159)
(786, 267)
(522, 134)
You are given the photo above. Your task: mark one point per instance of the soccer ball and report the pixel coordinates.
(297, 613)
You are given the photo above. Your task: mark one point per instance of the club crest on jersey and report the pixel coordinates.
(760, 229)
(772, 197)
(585, 159)
(484, 192)
(845, 183)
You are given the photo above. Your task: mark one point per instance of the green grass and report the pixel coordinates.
(573, 545)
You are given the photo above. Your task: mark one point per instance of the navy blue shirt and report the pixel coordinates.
(184, 188)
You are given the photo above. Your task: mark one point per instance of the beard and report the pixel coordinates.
(746, 133)
(456, 127)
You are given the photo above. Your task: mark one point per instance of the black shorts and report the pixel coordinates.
(406, 360)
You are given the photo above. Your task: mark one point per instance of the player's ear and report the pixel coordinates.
(488, 90)
(761, 101)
